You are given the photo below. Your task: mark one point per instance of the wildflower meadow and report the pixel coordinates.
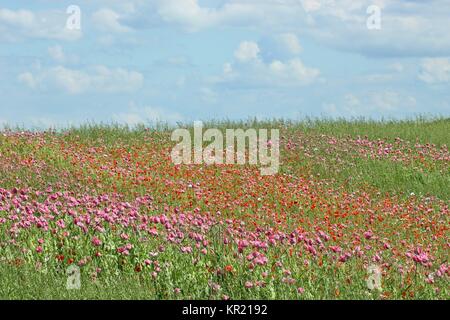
(357, 210)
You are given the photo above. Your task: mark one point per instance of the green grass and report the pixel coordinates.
(340, 168)
(320, 282)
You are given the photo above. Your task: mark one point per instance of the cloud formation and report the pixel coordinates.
(94, 79)
(385, 103)
(107, 20)
(247, 51)
(250, 70)
(16, 25)
(409, 28)
(220, 58)
(435, 71)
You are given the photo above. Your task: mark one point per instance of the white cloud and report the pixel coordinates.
(311, 5)
(379, 103)
(19, 18)
(291, 43)
(94, 79)
(293, 71)
(391, 101)
(193, 17)
(140, 115)
(17, 25)
(247, 51)
(249, 70)
(27, 78)
(58, 54)
(409, 28)
(279, 46)
(435, 70)
(108, 20)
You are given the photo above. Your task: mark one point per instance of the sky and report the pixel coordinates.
(70, 62)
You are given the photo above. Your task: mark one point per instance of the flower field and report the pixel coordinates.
(350, 198)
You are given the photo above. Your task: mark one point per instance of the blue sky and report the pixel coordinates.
(184, 60)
